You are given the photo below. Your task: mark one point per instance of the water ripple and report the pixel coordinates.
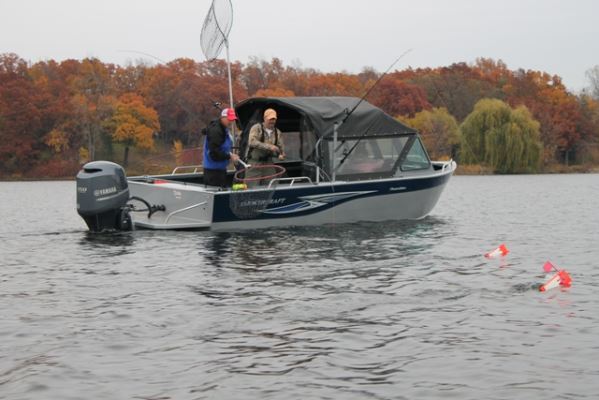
(394, 310)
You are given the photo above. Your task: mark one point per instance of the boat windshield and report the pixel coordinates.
(416, 158)
(372, 157)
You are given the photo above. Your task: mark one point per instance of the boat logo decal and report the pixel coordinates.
(248, 203)
(315, 201)
(105, 191)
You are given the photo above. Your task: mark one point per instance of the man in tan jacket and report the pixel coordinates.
(265, 147)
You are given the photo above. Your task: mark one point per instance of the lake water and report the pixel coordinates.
(408, 310)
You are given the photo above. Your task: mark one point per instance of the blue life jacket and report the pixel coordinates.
(226, 147)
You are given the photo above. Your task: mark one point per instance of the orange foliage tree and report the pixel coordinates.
(21, 116)
(557, 110)
(51, 112)
(134, 124)
(397, 97)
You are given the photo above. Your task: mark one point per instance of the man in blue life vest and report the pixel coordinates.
(218, 149)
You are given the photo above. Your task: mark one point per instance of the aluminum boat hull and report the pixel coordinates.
(195, 206)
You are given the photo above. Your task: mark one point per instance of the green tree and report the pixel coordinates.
(438, 129)
(503, 138)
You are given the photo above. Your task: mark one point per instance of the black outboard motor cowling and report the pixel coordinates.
(102, 195)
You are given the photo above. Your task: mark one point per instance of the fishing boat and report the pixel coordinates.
(346, 161)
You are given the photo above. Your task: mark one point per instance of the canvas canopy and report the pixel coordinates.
(322, 113)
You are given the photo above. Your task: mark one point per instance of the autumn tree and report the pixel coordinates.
(62, 137)
(298, 80)
(53, 115)
(501, 137)
(261, 75)
(556, 109)
(183, 93)
(438, 129)
(368, 76)
(21, 116)
(274, 92)
(134, 124)
(588, 126)
(397, 97)
(457, 87)
(130, 78)
(335, 84)
(197, 92)
(93, 90)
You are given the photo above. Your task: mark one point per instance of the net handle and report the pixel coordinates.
(245, 166)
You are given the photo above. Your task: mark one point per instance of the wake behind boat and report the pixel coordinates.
(347, 161)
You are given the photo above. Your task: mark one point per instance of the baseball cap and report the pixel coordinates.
(229, 113)
(270, 113)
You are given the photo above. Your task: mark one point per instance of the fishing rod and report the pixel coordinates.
(144, 54)
(356, 106)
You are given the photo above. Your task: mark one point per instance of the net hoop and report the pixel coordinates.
(216, 28)
(279, 172)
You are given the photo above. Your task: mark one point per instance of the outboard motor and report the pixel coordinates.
(102, 195)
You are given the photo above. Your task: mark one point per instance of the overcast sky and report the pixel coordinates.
(557, 36)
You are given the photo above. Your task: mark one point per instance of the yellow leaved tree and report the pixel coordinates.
(439, 130)
(134, 124)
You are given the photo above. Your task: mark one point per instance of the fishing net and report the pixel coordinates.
(216, 28)
(253, 190)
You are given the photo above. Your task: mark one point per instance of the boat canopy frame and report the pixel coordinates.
(311, 123)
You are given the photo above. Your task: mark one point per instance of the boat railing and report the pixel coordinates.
(195, 168)
(183, 209)
(291, 181)
(447, 164)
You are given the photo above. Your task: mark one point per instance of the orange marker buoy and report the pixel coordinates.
(501, 251)
(548, 267)
(562, 278)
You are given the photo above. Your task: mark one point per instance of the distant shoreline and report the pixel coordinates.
(464, 170)
(548, 170)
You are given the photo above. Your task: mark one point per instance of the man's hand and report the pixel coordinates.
(282, 156)
(234, 158)
(274, 148)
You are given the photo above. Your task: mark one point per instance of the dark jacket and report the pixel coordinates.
(217, 146)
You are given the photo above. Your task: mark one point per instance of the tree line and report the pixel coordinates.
(54, 116)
